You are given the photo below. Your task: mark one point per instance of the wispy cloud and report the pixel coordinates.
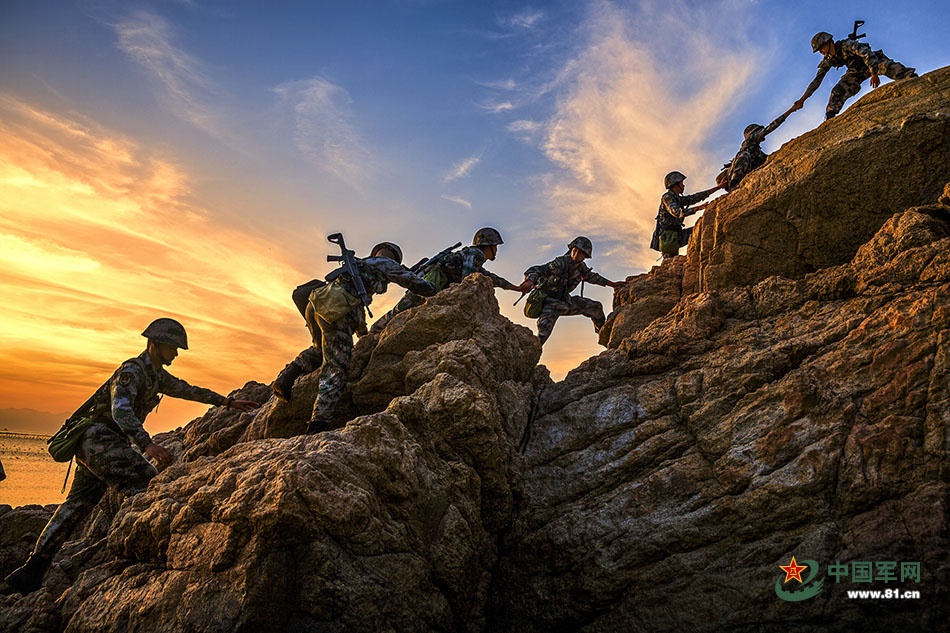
(634, 102)
(461, 169)
(325, 129)
(182, 81)
(98, 235)
(458, 200)
(526, 19)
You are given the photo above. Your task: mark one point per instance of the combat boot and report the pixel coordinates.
(284, 383)
(29, 577)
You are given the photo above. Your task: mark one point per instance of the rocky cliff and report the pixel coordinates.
(738, 418)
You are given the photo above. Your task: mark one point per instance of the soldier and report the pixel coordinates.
(862, 63)
(750, 155)
(452, 268)
(333, 336)
(104, 456)
(670, 235)
(558, 278)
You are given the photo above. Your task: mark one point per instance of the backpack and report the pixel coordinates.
(62, 445)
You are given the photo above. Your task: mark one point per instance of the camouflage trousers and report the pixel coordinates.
(555, 308)
(336, 351)
(104, 458)
(850, 84)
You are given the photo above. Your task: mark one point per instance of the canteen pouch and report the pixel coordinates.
(534, 303)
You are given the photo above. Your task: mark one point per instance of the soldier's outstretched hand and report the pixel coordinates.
(875, 81)
(162, 456)
(526, 286)
(244, 405)
(617, 284)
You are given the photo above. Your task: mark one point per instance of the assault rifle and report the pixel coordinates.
(428, 262)
(349, 266)
(854, 35)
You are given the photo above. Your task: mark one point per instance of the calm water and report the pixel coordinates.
(32, 475)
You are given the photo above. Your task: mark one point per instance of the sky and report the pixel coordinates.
(188, 158)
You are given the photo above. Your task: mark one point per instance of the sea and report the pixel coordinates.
(32, 477)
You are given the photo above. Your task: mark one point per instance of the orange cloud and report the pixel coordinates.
(98, 236)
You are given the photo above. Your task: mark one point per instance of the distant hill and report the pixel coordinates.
(31, 421)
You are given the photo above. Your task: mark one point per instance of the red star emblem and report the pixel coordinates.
(793, 570)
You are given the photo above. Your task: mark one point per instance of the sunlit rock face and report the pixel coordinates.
(756, 401)
(825, 193)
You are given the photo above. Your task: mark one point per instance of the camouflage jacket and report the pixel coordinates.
(854, 54)
(133, 391)
(462, 263)
(753, 144)
(674, 208)
(377, 272)
(561, 275)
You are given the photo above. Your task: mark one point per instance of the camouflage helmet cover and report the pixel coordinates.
(390, 246)
(821, 38)
(487, 236)
(582, 244)
(167, 331)
(672, 178)
(752, 128)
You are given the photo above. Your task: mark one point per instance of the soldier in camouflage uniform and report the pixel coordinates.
(750, 155)
(862, 63)
(670, 235)
(452, 268)
(104, 455)
(558, 278)
(333, 340)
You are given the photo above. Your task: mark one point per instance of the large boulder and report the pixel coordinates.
(828, 191)
(666, 481)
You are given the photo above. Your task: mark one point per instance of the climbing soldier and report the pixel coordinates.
(551, 285)
(451, 268)
(113, 418)
(670, 235)
(334, 314)
(750, 155)
(862, 63)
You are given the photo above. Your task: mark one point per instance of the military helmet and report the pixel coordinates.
(487, 237)
(672, 178)
(752, 128)
(388, 245)
(582, 244)
(167, 331)
(821, 38)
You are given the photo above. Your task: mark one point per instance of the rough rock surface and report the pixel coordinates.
(667, 480)
(828, 191)
(787, 409)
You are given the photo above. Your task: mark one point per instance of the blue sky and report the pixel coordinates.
(188, 158)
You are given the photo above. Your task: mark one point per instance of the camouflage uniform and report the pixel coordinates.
(674, 209)
(336, 339)
(860, 60)
(104, 456)
(557, 279)
(453, 268)
(750, 155)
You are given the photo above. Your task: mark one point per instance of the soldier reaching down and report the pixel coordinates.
(112, 419)
(862, 63)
